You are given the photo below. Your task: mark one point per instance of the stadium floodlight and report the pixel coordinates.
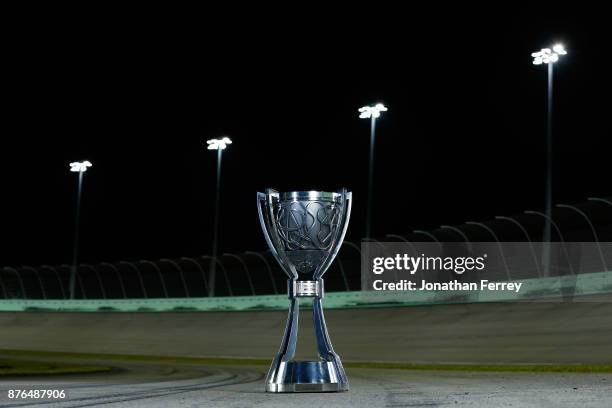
(77, 167)
(548, 56)
(366, 112)
(219, 145)
(80, 166)
(371, 112)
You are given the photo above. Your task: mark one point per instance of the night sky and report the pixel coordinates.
(464, 137)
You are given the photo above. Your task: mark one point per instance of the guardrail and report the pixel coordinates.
(247, 274)
(584, 287)
(257, 273)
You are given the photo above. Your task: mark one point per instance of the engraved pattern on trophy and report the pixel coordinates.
(309, 225)
(307, 229)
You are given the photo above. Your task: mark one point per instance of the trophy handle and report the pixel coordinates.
(266, 219)
(345, 213)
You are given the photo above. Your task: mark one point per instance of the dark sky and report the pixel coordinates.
(464, 137)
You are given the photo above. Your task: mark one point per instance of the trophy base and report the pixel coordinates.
(310, 376)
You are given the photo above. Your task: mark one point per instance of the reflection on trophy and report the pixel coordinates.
(304, 230)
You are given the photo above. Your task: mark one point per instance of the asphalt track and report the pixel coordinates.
(478, 333)
(561, 333)
(153, 385)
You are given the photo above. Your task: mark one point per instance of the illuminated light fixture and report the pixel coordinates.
(80, 167)
(547, 55)
(218, 144)
(366, 112)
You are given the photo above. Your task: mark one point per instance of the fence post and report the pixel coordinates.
(137, 270)
(78, 277)
(161, 277)
(265, 261)
(197, 264)
(97, 277)
(178, 268)
(119, 276)
(2, 285)
(40, 281)
(480, 224)
(21, 285)
(59, 278)
(246, 270)
(524, 230)
(227, 282)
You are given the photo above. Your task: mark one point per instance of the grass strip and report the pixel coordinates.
(554, 368)
(28, 368)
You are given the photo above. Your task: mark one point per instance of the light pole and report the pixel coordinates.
(548, 57)
(81, 168)
(219, 145)
(371, 112)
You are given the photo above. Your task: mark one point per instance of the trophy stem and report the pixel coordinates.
(287, 375)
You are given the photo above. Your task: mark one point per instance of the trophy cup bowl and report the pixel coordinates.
(304, 230)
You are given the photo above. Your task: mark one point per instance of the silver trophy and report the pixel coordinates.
(304, 230)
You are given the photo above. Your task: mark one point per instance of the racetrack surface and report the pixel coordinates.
(488, 333)
(474, 333)
(153, 385)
